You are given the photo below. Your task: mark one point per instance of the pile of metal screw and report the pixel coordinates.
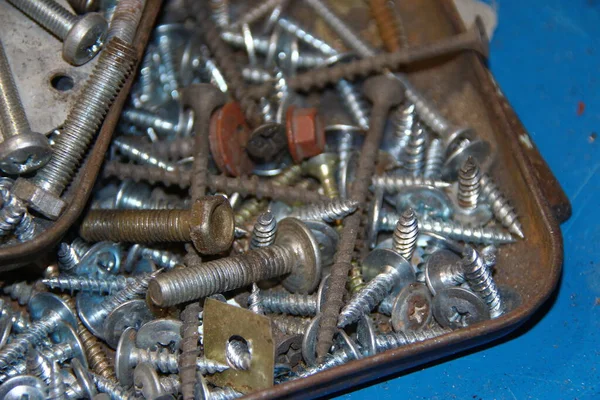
(238, 237)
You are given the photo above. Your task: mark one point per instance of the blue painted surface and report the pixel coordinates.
(546, 57)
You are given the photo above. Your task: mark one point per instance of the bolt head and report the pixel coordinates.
(212, 224)
(385, 90)
(23, 153)
(85, 39)
(305, 132)
(42, 201)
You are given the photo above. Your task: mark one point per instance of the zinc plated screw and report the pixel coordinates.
(295, 252)
(414, 152)
(162, 258)
(162, 126)
(282, 302)
(208, 224)
(394, 340)
(113, 388)
(14, 217)
(403, 120)
(152, 386)
(43, 191)
(84, 284)
(397, 183)
(205, 393)
(82, 36)
(480, 280)
(434, 159)
(79, 383)
(20, 291)
(500, 206)
(134, 153)
(332, 211)
(265, 229)
(21, 149)
(56, 386)
(25, 385)
(254, 14)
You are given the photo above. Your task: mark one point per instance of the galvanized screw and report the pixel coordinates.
(82, 36)
(162, 126)
(152, 386)
(332, 211)
(89, 285)
(480, 280)
(135, 153)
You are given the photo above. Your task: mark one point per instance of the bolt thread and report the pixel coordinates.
(354, 103)
(38, 365)
(355, 282)
(500, 206)
(11, 214)
(264, 231)
(330, 211)
(238, 355)
(218, 276)
(367, 299)
(434, 159)
(136, 226)
(12, 114)
(88, 285)
(481, 282)
(414, 152)
(133, 290)
(125, 20)
(451, 229)
(35, 333)
(48, 13)
(114, 65)
(404, 119)
(306, 37)
(220, 12)
(162, 258)
(189, 349)
(291, 325)
(134, 153)
(469, 185)
(406, 234)
(396, 183)
(56, 387)
(398, 339)
(389, 30)
(255, 300)
(282, 302)
(20, 291)
(255, 13)
(112, 388)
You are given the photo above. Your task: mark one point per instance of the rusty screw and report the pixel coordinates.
(208, 224)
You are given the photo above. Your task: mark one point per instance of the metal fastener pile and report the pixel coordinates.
(246, 231)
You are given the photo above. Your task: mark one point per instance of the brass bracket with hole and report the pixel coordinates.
(223, 322)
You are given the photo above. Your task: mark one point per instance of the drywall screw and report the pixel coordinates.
(162, 126)
(396, 183)
(414, 152)
(128, 356)
(84, 284)
(112, 388)
(125, 19)
(218, 183)
(291, 325)
(162, 258)
(500, 206)
(189, 349)
(323, 168)
(21, 149)
(82, 36)
(434, 159)
(480, 280)
(50, 312)
(384, 93)
(208, 225)
(398, 339)
(42, 192)
(151, 385)
(20, 291)
(283, 257)
(331, 211)
(404, 243)
(131, 151)
(282, 302)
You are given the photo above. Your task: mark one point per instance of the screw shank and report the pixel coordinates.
(12, 114)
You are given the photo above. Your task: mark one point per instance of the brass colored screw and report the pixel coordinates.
(386, 24)
(208, 224)
(323, 168)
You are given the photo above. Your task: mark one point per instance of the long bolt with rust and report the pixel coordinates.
(208, 224)
(384, 93)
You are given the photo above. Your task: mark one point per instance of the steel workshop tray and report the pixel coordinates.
(465, 91)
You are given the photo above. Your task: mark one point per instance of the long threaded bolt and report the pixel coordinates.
(396, 183)
(414, 152)
(88, 285)
(398, 339)
(81, 125)
(264, 231)
(404, 242)
(332, 211)
(480, 280)
(189, 349)
(82, 36)
(21, 149)
(208, 224)
(282, 302)
(434, 159)
(500, 207)
(451, 229)
(469, 185)
(134, 153)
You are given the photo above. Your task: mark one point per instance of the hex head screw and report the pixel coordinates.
(42, 192)
(82, 36)
(21, 150)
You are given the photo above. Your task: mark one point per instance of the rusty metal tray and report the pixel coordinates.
(465, 91)
(16, 255)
